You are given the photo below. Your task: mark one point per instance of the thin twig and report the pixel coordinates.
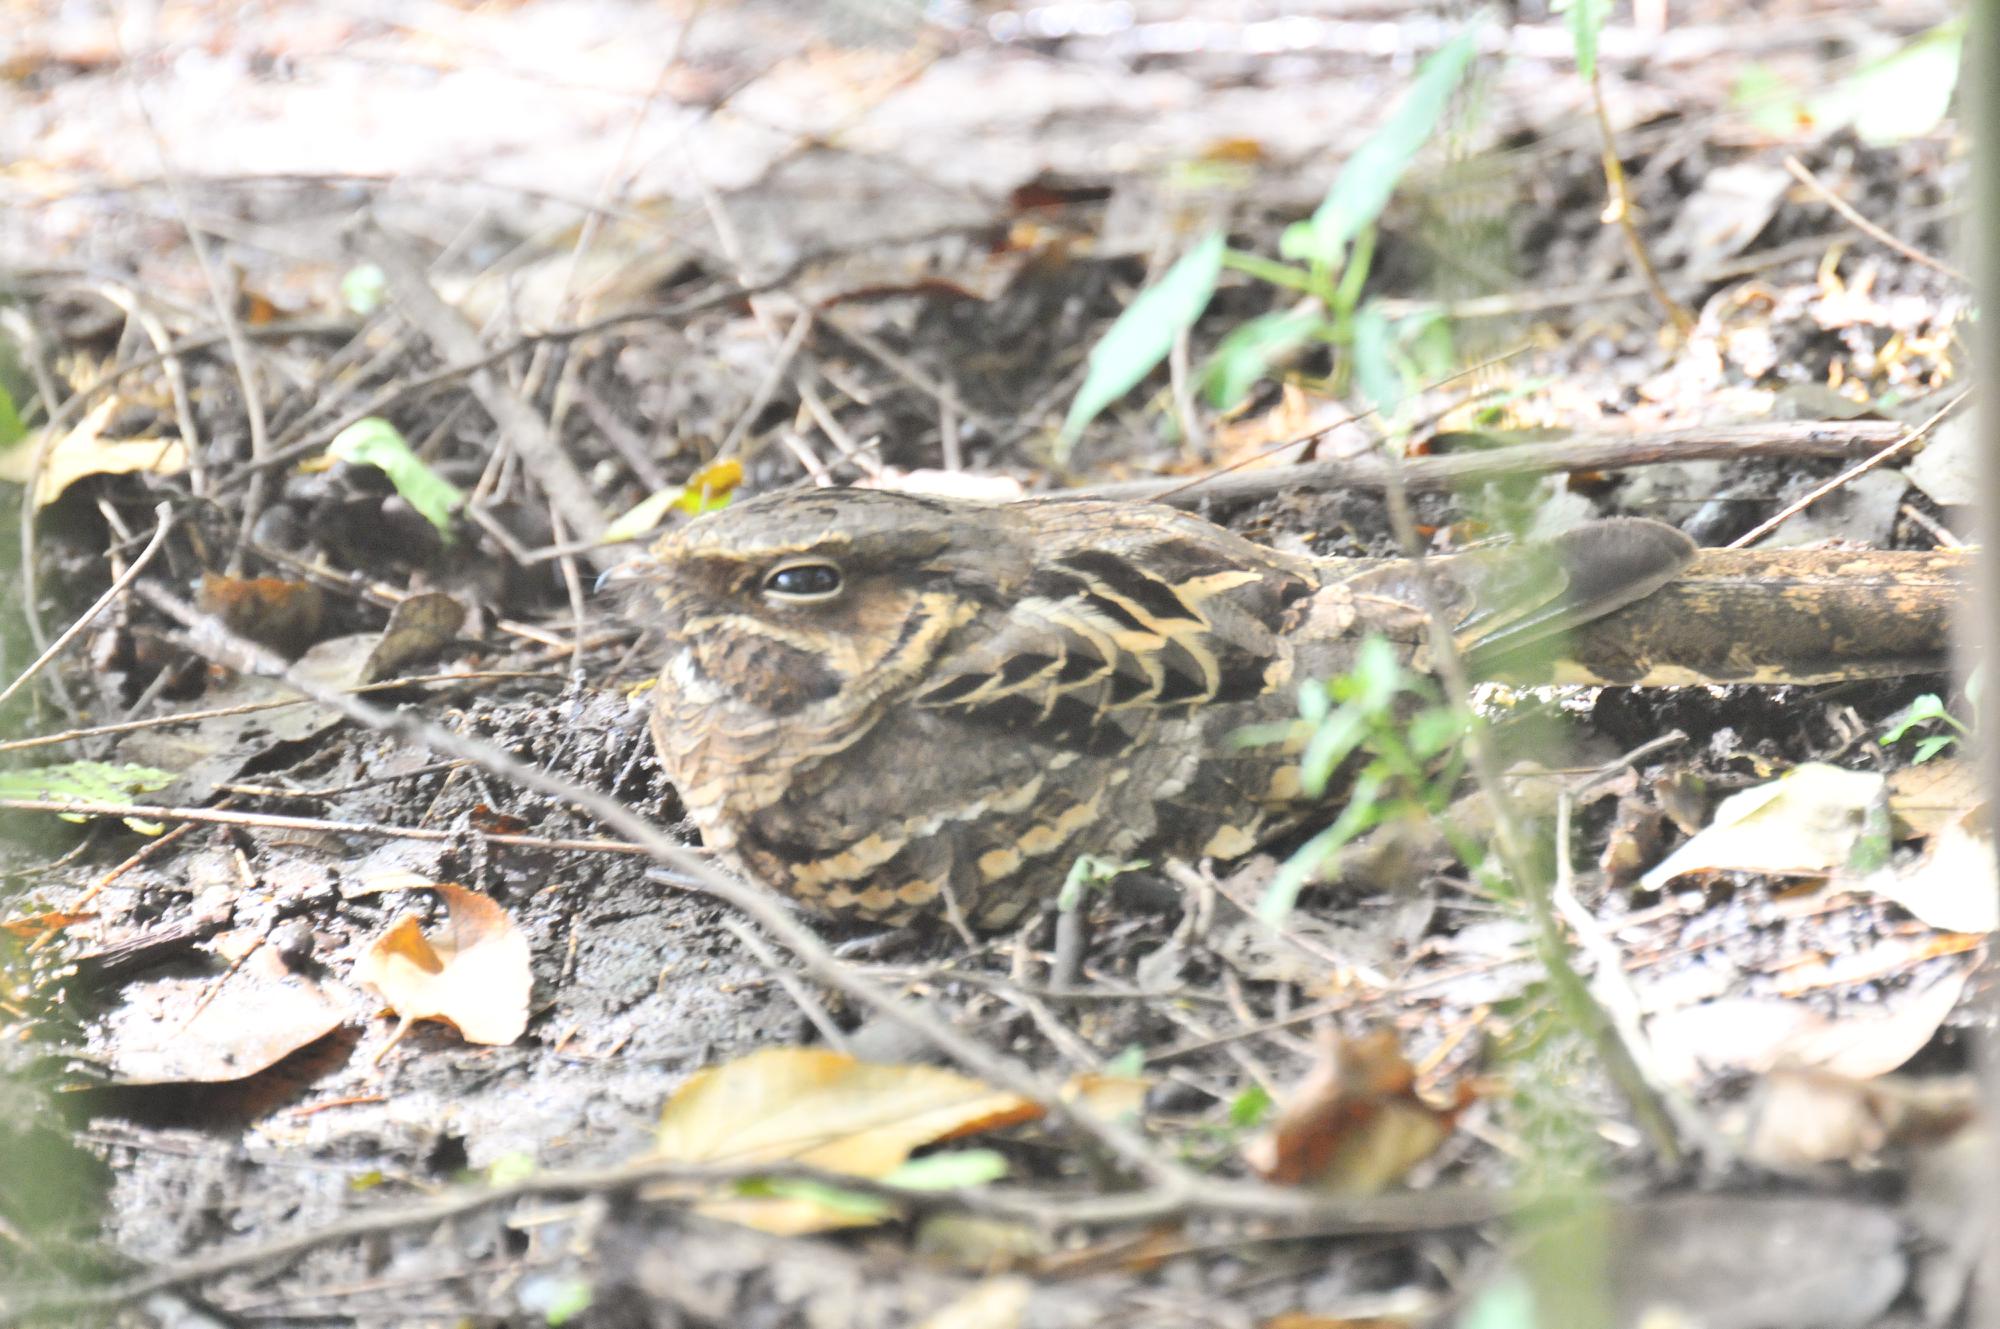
(646, 1179)
(1862, 224)
(224, 304)
(1799, 505)
(220, 712)
(522, 427)
(274, 821)
(1619, 208)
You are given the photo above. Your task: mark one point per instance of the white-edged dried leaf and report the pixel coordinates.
(1803, 1119)
(473, 972)
(1812, 819)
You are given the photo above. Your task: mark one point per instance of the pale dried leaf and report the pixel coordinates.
(1926, 798)
(827, 1110)
(473, 973)
(1952, 885)
(1760, 1034)
(810, 1105)
(83, 451)
(995, 1303)
(182, 1031)
(1811, 819)
(1801, 1119)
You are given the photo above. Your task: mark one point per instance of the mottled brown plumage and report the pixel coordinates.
(874, 701)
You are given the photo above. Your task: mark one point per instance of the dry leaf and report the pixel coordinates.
(1111, 1097)
(1951, 886)
(1811, 819)
(183, 1031)
(1354, 1124)
(994, 1303)
(419, 628)
(282, 614)
(1924, 799)
(83, 451)
(1761, 1034)
(826, 1110)
(1800, 1119)
(36, 926)
(473, 973)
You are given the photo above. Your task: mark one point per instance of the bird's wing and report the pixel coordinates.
(1503, 601)
(1127, 615)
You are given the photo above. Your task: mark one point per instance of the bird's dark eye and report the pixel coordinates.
(803, 581)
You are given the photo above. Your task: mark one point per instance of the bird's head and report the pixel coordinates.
(809, 602)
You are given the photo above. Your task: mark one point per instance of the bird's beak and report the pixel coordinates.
(622, 574)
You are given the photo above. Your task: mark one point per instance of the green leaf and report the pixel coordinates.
(957, 1170)
(1090, 871)
(375, 442)
(1769, 100)
(363, 288)
(1145, 332)
(1872, 845)
(1249, 1108)
(1376, 372)
(1314, 703)
(83, 782)
(566, 1299)
(510, 1168)
(859, 1204)
(1331, 743)
(1586, 21)
(1370, 176)
(1434, 729)
(1245, 355)
(1922, 711)
(1129, 1064)
(1378, 676)
(1931, 746)
(12, 431)
(1506, 1303)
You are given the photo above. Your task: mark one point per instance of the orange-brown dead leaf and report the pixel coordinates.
(36, 926)
(274, 611)
(472, 973)
(1354, 1124)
